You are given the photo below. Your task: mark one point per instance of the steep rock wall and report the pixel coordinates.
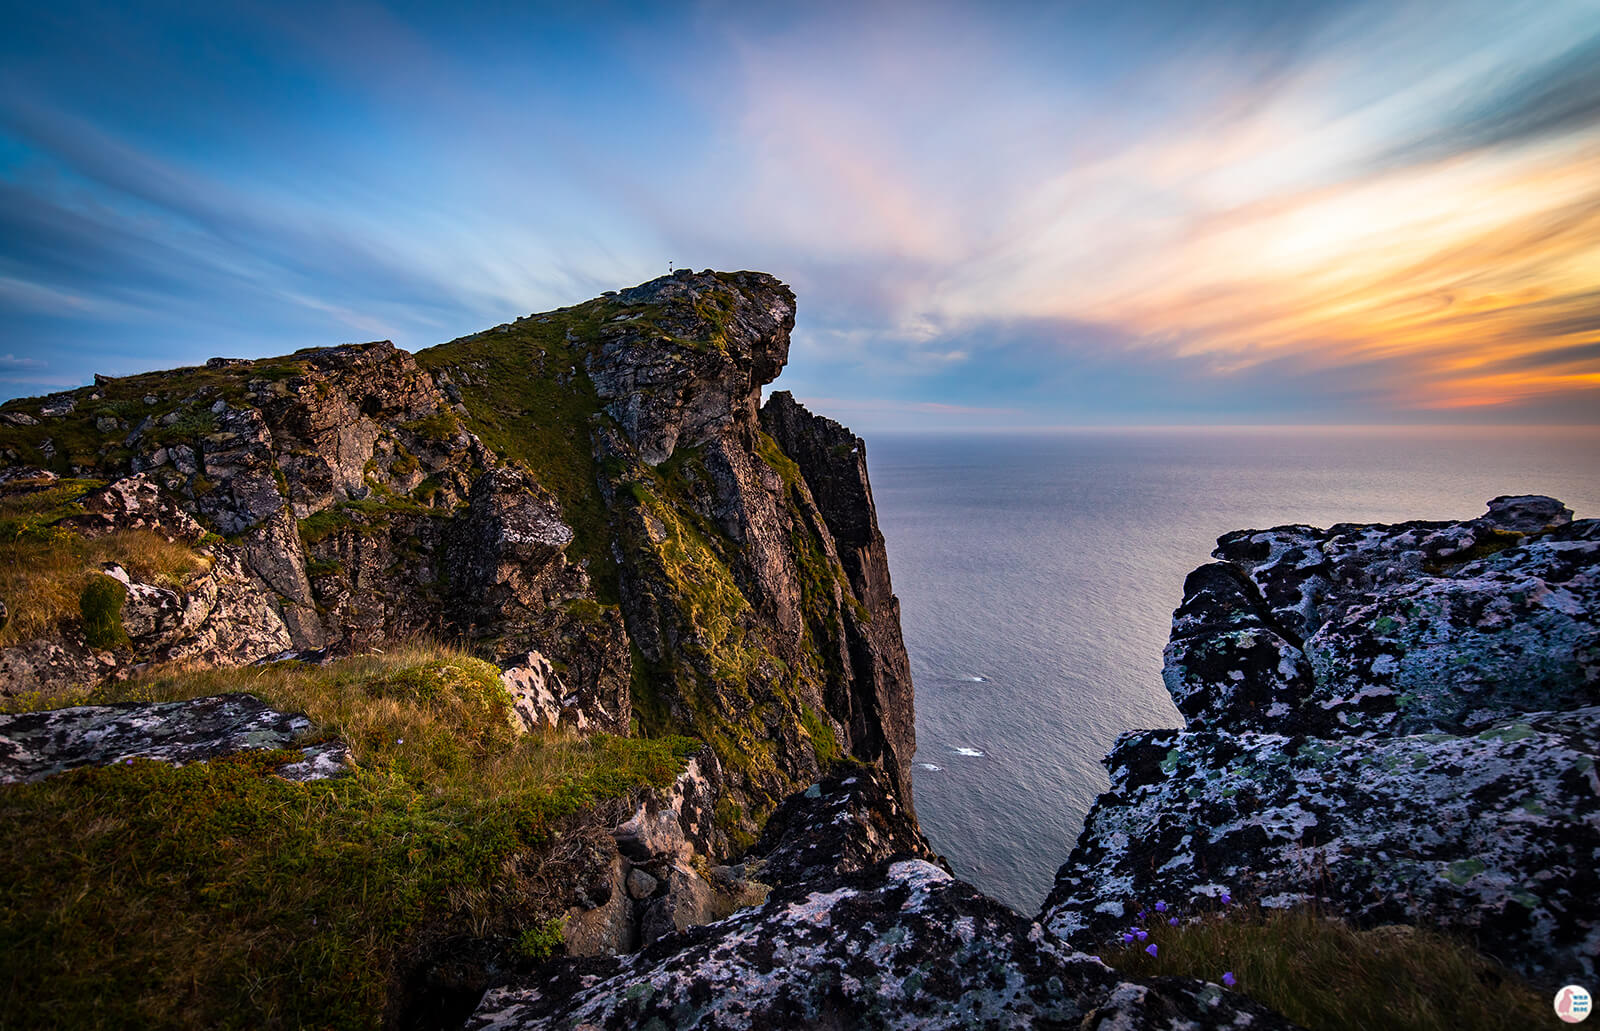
(587, 496)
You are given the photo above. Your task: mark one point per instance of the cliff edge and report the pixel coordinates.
(1394, 724)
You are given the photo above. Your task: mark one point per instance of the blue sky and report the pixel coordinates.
(993, 214)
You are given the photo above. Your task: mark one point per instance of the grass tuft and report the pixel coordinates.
(101, 605)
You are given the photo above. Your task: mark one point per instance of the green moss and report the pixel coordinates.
(729, 818)
(823, 739)
(324, 567)
(441, 425)
(367, 517)
(101, 606)
(540, 943)
(529, 398)
(29, 515)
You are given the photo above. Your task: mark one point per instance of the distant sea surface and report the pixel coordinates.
(1038, 574)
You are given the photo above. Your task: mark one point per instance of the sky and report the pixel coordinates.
(993, 214)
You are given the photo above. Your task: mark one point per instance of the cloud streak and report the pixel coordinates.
(1059, 214)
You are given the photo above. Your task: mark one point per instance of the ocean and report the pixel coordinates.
(1037, 576)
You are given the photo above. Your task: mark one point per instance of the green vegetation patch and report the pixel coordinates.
(220, 895)
(822, 736)
(529, 398)
(1327, 976)
(100, 603)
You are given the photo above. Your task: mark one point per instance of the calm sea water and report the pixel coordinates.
(1038, 575)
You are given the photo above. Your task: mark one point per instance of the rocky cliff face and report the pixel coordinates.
(1397, 723)
(588, 496)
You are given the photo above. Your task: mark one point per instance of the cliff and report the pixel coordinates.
(470, 567)
(588, 492)
(1395, 724)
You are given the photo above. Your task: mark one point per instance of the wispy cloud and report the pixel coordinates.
(1207, 211)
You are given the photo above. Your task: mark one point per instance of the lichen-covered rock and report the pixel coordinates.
(1397, 723)
(542, 702)
(1518, 631)
(34, 745)
(1393, 629)
(902, 944)
(1228, 664)
(1495, 835)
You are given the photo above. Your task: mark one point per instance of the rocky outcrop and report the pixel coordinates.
(591, 485)
(685, 364)
(1397, 723)
(35, 745)
(849, 939)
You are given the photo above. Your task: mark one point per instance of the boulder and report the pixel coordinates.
(35, 745)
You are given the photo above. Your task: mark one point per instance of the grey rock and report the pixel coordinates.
(19, 418)
(1527, 513)
(836, 826)
(608, 928)
(665, 385)
(689, 901)
(640, 884)
(35, 745)
(900, 945)
(57, 405)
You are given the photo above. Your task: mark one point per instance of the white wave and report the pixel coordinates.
(930, 766)
(972, 752)
(973, 678)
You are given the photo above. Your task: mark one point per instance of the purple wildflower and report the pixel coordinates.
(1161, 907)
(1127, 939)
(1172, 922)
(1141, 935)
(1229, 980)
(1151, 949)
(1226, 898)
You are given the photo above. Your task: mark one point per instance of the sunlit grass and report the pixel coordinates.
(220, 895)
(44, 569)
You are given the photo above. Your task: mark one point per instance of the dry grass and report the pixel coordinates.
(44, 570)
(431, 713)
(1322, 973)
